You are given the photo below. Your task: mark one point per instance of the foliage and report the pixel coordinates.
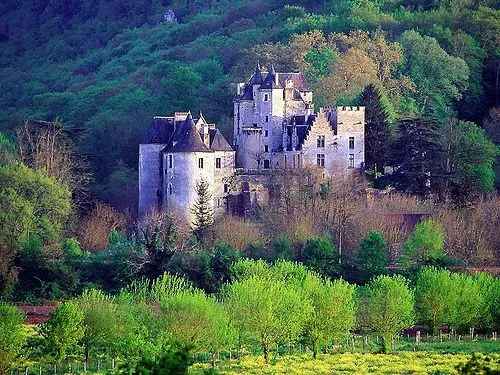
(320, 255)
(472, 162)
(62, 331)
(435, 296)
(266, 309)
(415, 156)
(174, 361)
(372, 257)
(425, 245)
(99, 321)
(378, 133)
(479, 364)
(13, 336)
(386, 307)
(202, 208)
(333, 314)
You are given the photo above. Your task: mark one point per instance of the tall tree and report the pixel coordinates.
(416, 157)
(13, 336)
(266, 310)
(62, 331)
(372, 255)
(334, 312)
(440, 78)
(470, 160)
(425, 244)
(386, 307)
(434, 297)
(378, 133)
(202, 208)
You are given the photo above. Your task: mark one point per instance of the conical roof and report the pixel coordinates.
(189, 139)
(257, 78)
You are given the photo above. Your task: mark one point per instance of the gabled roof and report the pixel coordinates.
(160, 131)
(189, 139)
(218, 142)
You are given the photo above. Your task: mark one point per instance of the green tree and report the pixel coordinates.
(32, 205)
(470, 299)
(386, 307)
(8, 150)
(195, 319)
(13, 336)
(471, 161)
(372, 256)
(62, 331)
(202, 208)
(440, 78)
(334, 310)
(378, 133)
(321, 256)
(99, 321)
(173, 361)
(266, 310)
(435, 296)
(416, 156)
(426, 243)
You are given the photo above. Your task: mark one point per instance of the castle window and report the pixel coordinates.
(351, 160)
(266, 133)
(266, 148)
(266, 97)
(320, 160)
(200, 163)
(266, 164)
(267, 118)
(170, 189)
(226, 188)
(351, 143)
(320, 143)
(170, 161)
(217, 163)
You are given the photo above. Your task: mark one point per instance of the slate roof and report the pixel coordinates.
(273, 80)
(189, 139)
(218, 142)
(160, 131)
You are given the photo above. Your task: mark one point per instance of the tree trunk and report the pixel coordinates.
(265, 348)
(315, 349)
(212, 363)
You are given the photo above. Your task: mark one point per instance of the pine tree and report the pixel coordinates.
(416, 157)
(202, 209)
(378, 134)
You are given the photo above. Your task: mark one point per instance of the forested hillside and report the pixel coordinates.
(105, 67)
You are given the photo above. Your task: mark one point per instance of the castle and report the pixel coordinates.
(275, 130)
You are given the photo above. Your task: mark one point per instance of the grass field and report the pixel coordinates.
(348, 363)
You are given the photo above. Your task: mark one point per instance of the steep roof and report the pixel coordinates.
(160, 131)
(218, 142)
(270, 81)
(189, 139)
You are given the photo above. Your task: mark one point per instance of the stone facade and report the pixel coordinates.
(175, 154)
(275, 127)
(275, 131)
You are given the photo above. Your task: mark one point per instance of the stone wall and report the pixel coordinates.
(150, 177)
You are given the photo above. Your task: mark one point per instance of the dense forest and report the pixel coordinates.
(105, 68)
(82, 79)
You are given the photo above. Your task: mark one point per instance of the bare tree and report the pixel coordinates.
(96, 228)
(47, 146)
